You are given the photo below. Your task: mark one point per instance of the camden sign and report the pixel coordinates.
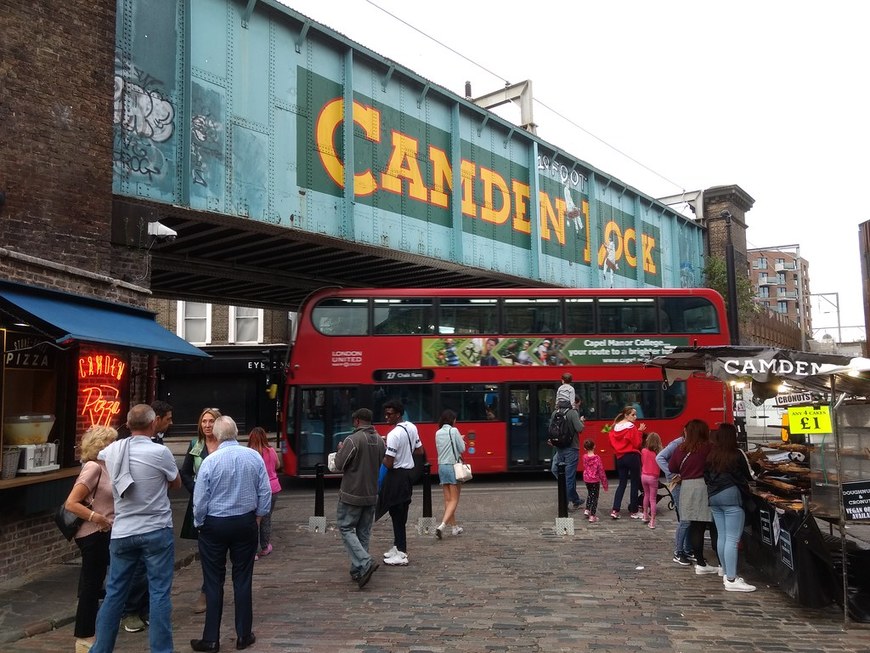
(777, 367)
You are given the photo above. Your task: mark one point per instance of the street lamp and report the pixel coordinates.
(825, 295)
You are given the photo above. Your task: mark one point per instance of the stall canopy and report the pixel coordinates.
(69, 318)
(764, 367)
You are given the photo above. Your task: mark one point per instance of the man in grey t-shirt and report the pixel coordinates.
(141, 472)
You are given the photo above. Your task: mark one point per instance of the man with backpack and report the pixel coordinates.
(564, 431)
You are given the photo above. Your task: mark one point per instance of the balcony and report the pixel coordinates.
(788, 295)
(767, 281)
(788, 265)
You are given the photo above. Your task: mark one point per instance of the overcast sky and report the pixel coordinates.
(771, 96)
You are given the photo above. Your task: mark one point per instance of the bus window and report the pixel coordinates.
(688, 315)
(627, 315)
(675, 399)
(468, 316)
(418, 401)
(472, 402)
(341, 317)
(579, 315)
(532, 316)
(404, 316)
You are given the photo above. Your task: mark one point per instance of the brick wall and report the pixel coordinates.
(29, 545)
(56, 94)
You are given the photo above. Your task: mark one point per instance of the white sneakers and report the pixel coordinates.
(737, 585)
(457, 530)
(706, 569)
(389, 554)
(399, 558)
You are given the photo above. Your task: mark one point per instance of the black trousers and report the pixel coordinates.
(95, 563)
(399, 516)
(218, 536)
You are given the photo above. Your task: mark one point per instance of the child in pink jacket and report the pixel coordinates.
(594, 477)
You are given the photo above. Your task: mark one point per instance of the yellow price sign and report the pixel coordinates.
(807, 419)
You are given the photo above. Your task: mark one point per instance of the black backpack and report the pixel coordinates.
(560, 432)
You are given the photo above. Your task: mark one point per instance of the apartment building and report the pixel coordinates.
(782, 284)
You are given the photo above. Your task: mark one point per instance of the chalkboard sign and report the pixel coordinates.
(766, 529)
(856, 500)
(785, 549)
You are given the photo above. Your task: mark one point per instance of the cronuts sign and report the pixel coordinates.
(748, 367)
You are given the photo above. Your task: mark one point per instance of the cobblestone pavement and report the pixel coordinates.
(508, 583)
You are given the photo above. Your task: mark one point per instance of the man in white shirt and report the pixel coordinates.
(402, 442)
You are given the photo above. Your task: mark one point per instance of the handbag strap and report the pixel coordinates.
(410, 442)
(93, 492)
(683, 462)
(456, 457)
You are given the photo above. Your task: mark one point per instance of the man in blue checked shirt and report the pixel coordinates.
(232, 493)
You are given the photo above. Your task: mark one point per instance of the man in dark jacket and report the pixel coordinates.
(569, 455)
(359, 458)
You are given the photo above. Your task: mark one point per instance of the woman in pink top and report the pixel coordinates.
(649, 477)
(91, 499)
(259, 441)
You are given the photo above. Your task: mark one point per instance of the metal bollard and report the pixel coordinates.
(427, 490)
(318, 490)
(426, 524)
(563, 490)
(317, 523)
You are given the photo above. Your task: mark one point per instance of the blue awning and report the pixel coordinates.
(71, 318)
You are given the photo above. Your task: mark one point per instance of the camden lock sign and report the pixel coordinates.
(750, 366)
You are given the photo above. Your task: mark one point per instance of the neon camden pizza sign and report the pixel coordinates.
(777, 367)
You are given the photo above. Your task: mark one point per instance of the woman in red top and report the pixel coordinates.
(625, 438)
(688, 461)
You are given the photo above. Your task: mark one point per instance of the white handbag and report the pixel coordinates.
(462, 471)
(330, 462)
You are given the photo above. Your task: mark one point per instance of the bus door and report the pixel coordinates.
(324, 419)
(530, 408)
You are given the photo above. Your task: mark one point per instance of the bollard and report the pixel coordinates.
(563, 490)
(317, 523)
(426, 524)
(318, 490)
(427, 490)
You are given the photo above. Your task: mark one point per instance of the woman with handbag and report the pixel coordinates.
(450, 446)
(688, 461)
(727, 475)
(91, 500)
(200, 447)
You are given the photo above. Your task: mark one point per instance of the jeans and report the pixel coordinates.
(628, 466)
(157, 550)
(570, 457)
(239, 536)
(355, 525)
(137, 599)
(95, 563)
(727, 509)
(681, 539)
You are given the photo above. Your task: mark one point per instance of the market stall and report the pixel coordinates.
(815, 480)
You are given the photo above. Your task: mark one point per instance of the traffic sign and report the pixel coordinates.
(808, 419)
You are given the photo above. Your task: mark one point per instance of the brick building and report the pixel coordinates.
(78, 346)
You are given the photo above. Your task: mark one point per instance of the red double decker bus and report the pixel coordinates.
(495, 357)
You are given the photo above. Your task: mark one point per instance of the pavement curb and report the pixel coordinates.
(53, 623)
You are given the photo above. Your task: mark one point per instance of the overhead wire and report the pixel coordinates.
(542, 104)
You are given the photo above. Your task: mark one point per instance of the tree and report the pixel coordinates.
(716, 275)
